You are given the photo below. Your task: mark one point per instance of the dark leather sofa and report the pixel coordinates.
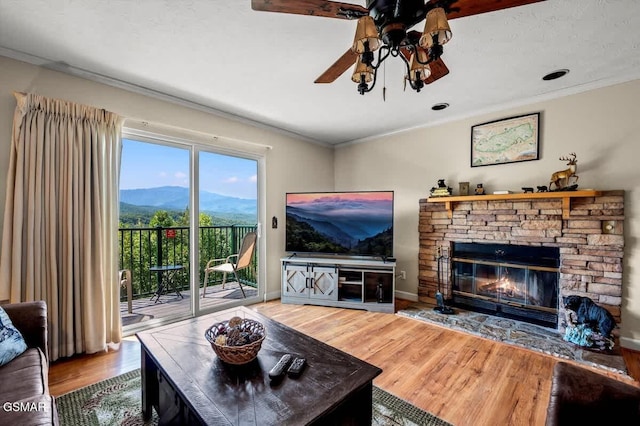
(583, 397)
(24, 381)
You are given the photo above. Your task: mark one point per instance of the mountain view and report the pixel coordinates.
(146, 201)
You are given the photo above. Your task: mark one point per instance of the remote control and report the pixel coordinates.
(279, 369)
(296, 367)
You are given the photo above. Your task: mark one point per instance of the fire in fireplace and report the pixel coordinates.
(519, 282)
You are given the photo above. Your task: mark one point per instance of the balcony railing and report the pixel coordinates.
(143, 248)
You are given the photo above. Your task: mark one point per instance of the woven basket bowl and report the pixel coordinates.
(237, 355)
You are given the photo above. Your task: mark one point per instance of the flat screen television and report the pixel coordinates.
(342, 223)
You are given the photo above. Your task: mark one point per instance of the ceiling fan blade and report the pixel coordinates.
(406, 53)
(338, 68)
(324, 8)
(461, 8)
(438, 70)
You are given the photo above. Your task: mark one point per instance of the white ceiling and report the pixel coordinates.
(261, 66)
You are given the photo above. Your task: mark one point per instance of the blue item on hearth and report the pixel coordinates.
(580, 335)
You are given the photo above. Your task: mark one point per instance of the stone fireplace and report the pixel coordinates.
(584, 228)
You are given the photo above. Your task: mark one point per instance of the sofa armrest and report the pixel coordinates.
(30, 318)
(580, 396)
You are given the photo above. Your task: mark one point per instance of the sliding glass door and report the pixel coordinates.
(228, 201)
(184, 207)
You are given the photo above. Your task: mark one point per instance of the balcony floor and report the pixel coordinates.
(145, 309)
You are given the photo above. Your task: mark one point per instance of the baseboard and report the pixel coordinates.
(413, 297)
(272, 295)
(629, 343)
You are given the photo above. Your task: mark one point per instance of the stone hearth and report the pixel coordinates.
(591, 254)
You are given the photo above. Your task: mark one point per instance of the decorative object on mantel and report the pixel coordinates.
(561, 179)
(479, 189)
(441, 191)
(588, 325)
(509, 140)
(542, 188)
(527, 189)
(464, 188)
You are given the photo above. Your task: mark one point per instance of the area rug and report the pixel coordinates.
(117, 401)
(518, 333)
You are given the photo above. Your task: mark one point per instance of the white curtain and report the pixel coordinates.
(61, 215)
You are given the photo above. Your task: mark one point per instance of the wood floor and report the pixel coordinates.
(463, 379)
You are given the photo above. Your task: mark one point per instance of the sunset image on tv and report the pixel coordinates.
(350, 223)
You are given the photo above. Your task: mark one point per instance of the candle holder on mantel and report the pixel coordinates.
(442, 190)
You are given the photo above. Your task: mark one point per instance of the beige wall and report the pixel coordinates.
(292, 164)
(602, 126)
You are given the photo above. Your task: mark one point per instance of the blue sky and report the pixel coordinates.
(146, 165)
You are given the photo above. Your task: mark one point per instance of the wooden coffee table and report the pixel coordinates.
(187, 383)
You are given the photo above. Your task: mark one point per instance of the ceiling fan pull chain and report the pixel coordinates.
(384, 82)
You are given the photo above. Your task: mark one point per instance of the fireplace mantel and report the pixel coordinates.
(566, 197)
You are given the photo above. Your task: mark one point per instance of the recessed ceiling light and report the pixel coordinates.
(440, 106)
(555, 74)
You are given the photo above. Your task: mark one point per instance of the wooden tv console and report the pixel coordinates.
(340, 282)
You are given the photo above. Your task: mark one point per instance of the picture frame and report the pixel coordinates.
(464, 188)
(508, 140)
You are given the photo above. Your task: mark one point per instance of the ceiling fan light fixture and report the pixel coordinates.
(386, 26)
(366, 38)
(362, 70)
(436, 29)
(418, 68)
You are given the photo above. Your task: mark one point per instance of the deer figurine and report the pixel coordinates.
(561, 178)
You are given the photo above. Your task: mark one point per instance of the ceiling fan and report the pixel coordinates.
(383, 26)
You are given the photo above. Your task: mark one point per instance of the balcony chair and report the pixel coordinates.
(124, 277)
(227, 266)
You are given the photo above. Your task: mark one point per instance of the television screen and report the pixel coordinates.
(347, 223)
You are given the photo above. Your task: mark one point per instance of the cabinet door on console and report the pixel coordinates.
(324, 284)
(296, 281)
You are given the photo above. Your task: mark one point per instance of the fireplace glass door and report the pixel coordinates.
(522, 291)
